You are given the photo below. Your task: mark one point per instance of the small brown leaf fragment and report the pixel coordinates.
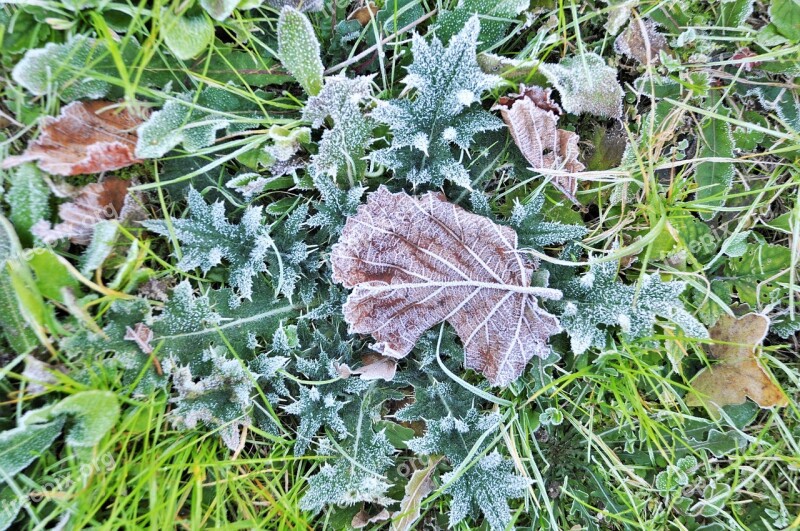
(93, 203)
(737, 373)
(414, 262)
(362, 518)
(364, 13)
(141, 335)
(87, 137)
(374, 367)
(417, 488)
(532, 119)
(641, 41)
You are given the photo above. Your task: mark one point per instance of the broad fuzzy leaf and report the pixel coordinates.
(21, 446)
(737, 374)
(714, 178)
(442, 116)
(58, 67)
(597, 300)
(207, 237)
(186, 35)
(586, 84)
(87, 137)
(299, 51)
(194, 124)
(29, 200)
(495, 15)
(341, 149)
(94, 413)
(415, 262)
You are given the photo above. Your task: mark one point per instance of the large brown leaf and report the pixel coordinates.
(737, 373)
(532, 118)
(415, 262)
(88, 137)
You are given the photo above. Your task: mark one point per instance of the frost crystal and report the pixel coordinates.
(448, 81)
(207, 237)
(586, 84)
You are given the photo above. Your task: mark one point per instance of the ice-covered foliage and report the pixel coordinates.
(193, 121)
(495, 15)
(335, 205)
(342, 147)
(485, 485)
(207, 238)
(29, 200)
(299, 50)
(596, 301)
(532, 229)
(57, 68)
(433, 126)
(586, 84)
(357, 472)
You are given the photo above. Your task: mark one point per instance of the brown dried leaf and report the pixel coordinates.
(364, 13)
(93, 203)
(737, 375)
(641, 41)
(417, 488)
(532, 118)
(87, 137)
(362, 518)
(141, 335)
(416, 262)
(374, 368)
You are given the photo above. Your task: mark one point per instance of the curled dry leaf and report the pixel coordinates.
(737, 373)
(416, 262)
(364, 13)
(362, 518)
(93, 203)
(532, 118)
(418, 487)
(375, 367)
(641, 41)
(87, 137)
(141, 335)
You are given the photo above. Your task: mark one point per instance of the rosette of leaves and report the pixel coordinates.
(442, 116)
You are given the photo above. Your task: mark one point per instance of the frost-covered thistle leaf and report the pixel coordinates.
(415, 262)
(341, 149)
(359, 475)
(495, 15)
(488, 484)
(195, 125)
(207, 237)
(442, 116)
(487, 487)
(596, 300)
(220, 398)
(58, 67)
(533, 231)
(714, 178)
(335, 205)
(299, 51)
(586, 84)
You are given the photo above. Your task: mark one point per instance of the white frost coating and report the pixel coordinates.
(299, 50)
(586, 84)
(415, 262)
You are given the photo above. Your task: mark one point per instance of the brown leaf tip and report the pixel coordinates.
(414, 262)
